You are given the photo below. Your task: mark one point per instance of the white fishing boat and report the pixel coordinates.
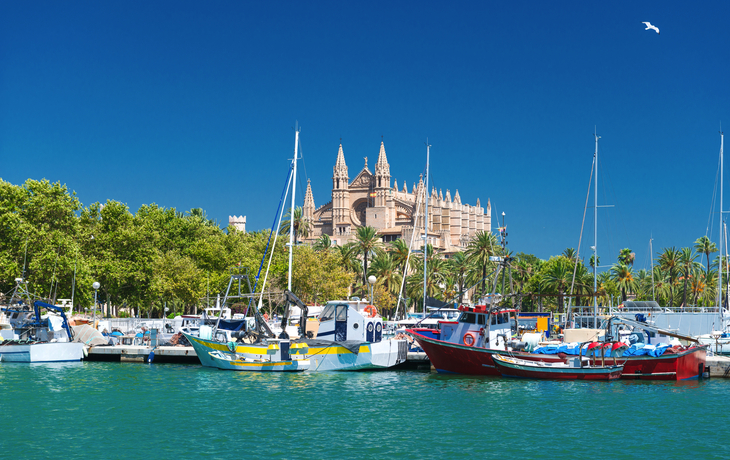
(349, 337)
(28, 337)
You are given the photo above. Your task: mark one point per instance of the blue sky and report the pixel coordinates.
(192, 104)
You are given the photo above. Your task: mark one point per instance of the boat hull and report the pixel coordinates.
(688, 364)
(45, 352)
(332, 357)
(554, 371)
(227, 361)
(453, 358)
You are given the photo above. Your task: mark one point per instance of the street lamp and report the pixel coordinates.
(96, 287)
(371, 280)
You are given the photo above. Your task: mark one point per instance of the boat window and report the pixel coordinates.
(328, 313)
(494, 320)
(341, 313)
(467, 317)
(482, 319)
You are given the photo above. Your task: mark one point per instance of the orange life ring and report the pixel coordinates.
(371, 310)
(470, 339)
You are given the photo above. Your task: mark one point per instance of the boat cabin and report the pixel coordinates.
(479, 326)
(348, 320)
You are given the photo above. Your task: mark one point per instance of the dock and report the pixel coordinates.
(719, 366)
(141, 353)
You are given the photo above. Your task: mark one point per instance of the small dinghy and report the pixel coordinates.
(236, 362)
(573, 369)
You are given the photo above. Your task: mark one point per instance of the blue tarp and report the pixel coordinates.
(640, 349)
(637, 349)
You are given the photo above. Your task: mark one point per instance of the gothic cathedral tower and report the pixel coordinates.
(340, 198)
(381, 214)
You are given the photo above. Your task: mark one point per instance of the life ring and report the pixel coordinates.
(371, 310)
(470, 339)
(481, 331)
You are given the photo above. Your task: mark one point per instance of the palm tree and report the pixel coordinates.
(669, 262)
(460, 267)
(301, 226)
(323, 243)
(623, 276)
(688, 265)
(386, 271)
(592, 262)
(399, 250)
(571, 254)
(367, 244)
(626, 257)
(480, 249)
(703, 245)
(348, 257)
(557, 277)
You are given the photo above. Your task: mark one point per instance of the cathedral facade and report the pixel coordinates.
(370, 200)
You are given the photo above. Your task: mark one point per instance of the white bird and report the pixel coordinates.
(649, 26)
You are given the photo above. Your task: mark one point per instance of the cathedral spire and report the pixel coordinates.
(308, 208)
(340, 165)
(382, 158)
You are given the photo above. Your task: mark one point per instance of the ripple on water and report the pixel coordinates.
(186, 411)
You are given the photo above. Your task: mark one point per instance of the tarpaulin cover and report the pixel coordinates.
(231, 325)
(641, 349)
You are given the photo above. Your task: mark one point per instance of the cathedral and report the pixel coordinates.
(369, 200)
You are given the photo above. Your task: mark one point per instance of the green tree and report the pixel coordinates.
(323, 243)
(703, 245)
(301, 226)
(623, 276)
(318, 277)
(669, 261)
(556, 276)
(368, 244)
(483, 246)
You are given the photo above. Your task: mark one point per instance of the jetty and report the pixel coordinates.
(141, 354)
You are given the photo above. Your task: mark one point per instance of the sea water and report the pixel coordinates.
(164, 411)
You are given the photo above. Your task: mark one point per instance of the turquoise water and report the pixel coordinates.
(165, 411)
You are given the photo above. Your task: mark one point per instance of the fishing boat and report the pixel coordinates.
(573, 369)
(349, 336)
(235, 362)
(28, 337)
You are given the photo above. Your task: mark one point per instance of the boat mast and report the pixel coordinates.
(719, 265)
(291, 216)
(595, 232)
(425, 227)
(651, 260)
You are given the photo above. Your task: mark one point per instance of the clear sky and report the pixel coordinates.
(192, 104)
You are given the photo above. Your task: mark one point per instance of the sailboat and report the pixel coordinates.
(349, 335)
(674, 363)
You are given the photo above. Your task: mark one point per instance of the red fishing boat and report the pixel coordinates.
(468, 346)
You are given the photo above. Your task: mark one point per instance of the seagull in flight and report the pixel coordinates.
(649, 26)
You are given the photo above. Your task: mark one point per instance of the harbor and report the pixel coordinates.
(130, 410)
